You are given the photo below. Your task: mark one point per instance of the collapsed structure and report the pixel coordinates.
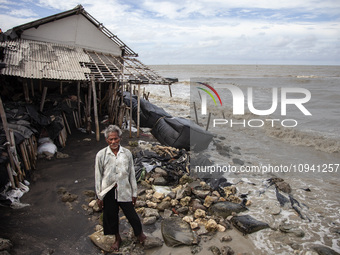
(58, 72)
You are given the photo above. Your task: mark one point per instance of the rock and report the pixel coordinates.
(5, 244)
(167, 213)
(184, 192)
(221, 228)
(151, 204)
(226, 250)
(225, 209)
(92, 203)
(183, 210)
(205, 186)
(247, 224)
(215, 250)
(201, 193)
(185, 179)
(229, 190)
(160, 181)
(158, 196)
(211, 225)
(68, 197)
(237, 161)
(163, 205)
(290, 228)
(226, 238)
(161, 171)
(209, 200)
(104, 242)
(174, 202)
(188, 219)
(61, 155)
(234, 199)
(199, 213)
(152, 242)
(185, 201)
(273, 207)
(196, 249)
(140, 203)
(166, 199)
(194, 225)
(172, 195)
(176, 232)
(149, 220)
(148, 212)
(323, 250)
(61, 190)
(284, 187)
(196, 204)
(215, 193)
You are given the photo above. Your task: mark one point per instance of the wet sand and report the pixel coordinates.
(49, 226)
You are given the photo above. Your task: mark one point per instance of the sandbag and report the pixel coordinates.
(181, 133)
(177, 232)
(149, 113)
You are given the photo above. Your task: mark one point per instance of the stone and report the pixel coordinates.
(68, 197)
(209, 200)
(149, 220)
(160, 181)
(188, 219)
(238, 161)
(227, 238)
(148, 196)
(89, 193)
(92, 203)
(148, 212)
(194, 225)
(234, 199)
(323, 250)
(247, 224)
(166, 199)
(199, 213)
(284, 187)
(221, 228)
(205, 186)
(290, 228)
(140, 203)
(163, 205)
(152, 242)
(201, 193)
(177, 232)
(158, 196)
(183, 210)
(151, 204)
(185, 201)
(167, 213)
(196, 204)
(229, 190)
(5, 244)
(196, 249)
(161, 171)
(215, 193)
(185, 179)
(174, 202)
(211, 225)
(172, 195)
(215, 250)
(225, 209)
(227, 250)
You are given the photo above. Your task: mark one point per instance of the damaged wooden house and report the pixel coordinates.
(60, 72)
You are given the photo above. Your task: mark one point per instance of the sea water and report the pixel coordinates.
(312, 147)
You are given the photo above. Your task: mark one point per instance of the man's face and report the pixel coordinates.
(113, 140)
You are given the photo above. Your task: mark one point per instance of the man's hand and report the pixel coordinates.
(100, 204)
(134, 199)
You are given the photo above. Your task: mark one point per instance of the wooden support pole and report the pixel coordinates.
(10, 175)
(32, 87)
(95, 110)
(78, 99)
(138, 110)
(131, 108)
(89, 99)
(26, 93)
(208, 121)
(196, 113)
(100, 98)
(170, 90)
(5, 127)
(61, 88)
(66, 123)
(40, 86)
(43, 99)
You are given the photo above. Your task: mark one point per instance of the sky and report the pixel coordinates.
(289, 32)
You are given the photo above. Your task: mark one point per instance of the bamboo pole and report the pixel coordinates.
(138, 110)
(24, 158)
(66, 123)
(10, 175)
(43, 99)
(14, 154)
(88, 129)
(95, 110)
(100, 98)
(170, 90)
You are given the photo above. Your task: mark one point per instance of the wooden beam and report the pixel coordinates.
(95, 110)
(138, 110)
(43, 99)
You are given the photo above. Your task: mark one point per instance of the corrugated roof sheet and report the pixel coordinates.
(42, 60)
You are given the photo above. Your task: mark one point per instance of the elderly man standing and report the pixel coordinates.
(116, 186)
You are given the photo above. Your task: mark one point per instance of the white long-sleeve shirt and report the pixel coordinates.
(111, 170)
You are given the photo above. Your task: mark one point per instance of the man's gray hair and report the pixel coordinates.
(112, 129)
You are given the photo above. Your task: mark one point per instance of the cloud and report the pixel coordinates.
(23, 13)
(212, 31)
